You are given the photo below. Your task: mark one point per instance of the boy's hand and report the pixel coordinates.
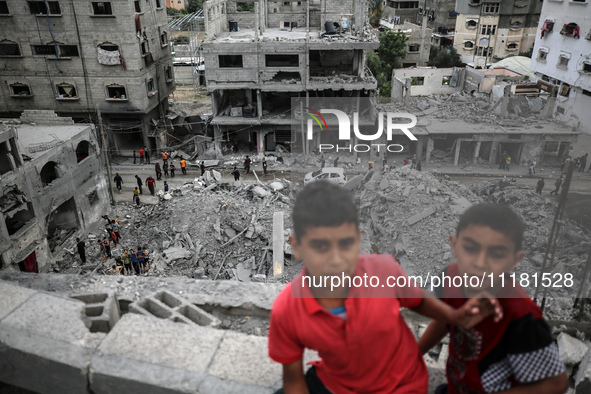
(477, 309)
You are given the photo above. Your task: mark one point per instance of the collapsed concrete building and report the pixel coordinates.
(80, 59)
(261, 55)
(473, 116)
(51, 187)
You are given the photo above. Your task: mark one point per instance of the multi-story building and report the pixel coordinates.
(487, 31)
(81, 57)
(562, 56)
(440, 14)
(260, 55)
(176, 4)
(51, 187)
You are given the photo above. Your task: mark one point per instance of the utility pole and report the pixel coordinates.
(105, 154)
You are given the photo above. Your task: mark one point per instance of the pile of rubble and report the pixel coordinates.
(576, 355)
(410, 215)
(205, 229)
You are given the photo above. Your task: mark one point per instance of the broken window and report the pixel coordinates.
(169, 75)
(20, 90)
(9, 158)
(38, 7)
(512, 46)
(68, 50)
(244, 7)
(62, 224)
(93, 198)
(542, 54)
(587, 67)
(565, 90)
(414, 48)
(66, 91)
(64, 51)
(158, 3)
(281, 60)
(108, 54)
(83, 150)
(116, 92)
(43, 50)
(230, 60)
(164, 38)
(4, 8)
(18, 218)
(445, 80)
(49, 173)
(417, 81)
(563, 61)
(151, 87)
(9, 48)
(137, 5)
(468, 44)
(102, 8)
(570, 30)
(471, 23)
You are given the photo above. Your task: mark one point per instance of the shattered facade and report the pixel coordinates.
(81, 57)
(561, 57)
(51, 188)
(260, 55)
(488, 31)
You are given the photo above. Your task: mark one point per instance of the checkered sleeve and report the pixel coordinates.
(532, 353)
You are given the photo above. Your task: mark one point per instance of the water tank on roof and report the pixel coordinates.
(233, 26)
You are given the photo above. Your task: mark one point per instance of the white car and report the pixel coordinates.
(331, 174)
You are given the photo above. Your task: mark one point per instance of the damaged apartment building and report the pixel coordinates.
(472, 116)
(79, 58)
(488, 30)
(260, 55)
(51, 187)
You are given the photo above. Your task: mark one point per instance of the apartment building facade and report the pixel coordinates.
(562, 57)
(261, 55)
(79, 58)
(488, 31)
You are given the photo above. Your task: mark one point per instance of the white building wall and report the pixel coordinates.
(573, 108)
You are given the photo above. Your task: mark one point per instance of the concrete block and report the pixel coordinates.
(244, 358)
(46, 345)
(166, 305)
(142, 354)
(571, 349)
(102, 309)
(353, 182)
(11, 297)
(420, 216)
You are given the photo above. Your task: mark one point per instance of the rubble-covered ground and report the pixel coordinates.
(219, 230)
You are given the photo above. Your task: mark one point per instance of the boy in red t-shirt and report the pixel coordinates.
(359, 333)
(515, 355)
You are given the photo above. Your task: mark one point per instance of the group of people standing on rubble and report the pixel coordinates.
(131, 261)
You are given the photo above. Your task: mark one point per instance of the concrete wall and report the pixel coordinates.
(433, 80)
(78, 26)
(77, 180)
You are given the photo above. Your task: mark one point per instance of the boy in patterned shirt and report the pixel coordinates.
(515, 355)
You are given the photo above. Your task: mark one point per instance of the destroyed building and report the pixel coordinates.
(79, 58)
(418, 44)
(487, 31)
(561, 58)
(51, 187)
(259, 55)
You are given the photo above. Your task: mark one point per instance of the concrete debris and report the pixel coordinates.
(420, 216)
(174, 253)
(259, 191)
(353, 182)
(583, 375)
(571, 349)
(276, 186)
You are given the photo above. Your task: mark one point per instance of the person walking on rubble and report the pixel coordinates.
(558, 183)
(202, 168)
(141, 152)
(247, 165)
(265, 166)
(322, 161)
(139, 183)
(147, 154)
(81, 250)
(165, 157)
(165, 169)
(183, 165)
(158, 171)
(118, 181)
(151, 183)
(147, 258)
(172, 168)
(236, 174)
(540, 186)
(116, 228)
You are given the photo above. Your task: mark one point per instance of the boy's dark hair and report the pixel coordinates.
(323, 204)
(499, 217)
